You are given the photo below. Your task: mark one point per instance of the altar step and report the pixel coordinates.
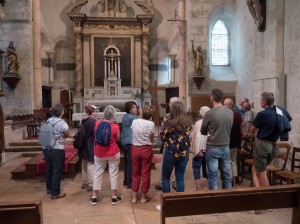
(27, 170)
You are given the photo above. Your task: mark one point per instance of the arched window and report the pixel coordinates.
(220, 44)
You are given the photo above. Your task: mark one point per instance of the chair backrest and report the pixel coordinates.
(283, 156)
(295, 161)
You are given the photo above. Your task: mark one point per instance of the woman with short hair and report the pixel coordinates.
(55, 156)
(142, 153)
(87, 152)
(104, 155)
(126, 139)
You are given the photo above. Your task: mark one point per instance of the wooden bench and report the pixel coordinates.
(235, 200)
(21, 212)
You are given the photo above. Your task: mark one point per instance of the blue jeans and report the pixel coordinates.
(199, 161)
(218, 157)
(169, 162)
(127, 166)
(55, 159)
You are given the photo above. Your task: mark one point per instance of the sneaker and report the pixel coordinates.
(158, 187)
(60, 195)
(158, 207)
(134, 200)
(89, 188)
(116, 200)
(83, 186)
(48, 192)
(93, 201)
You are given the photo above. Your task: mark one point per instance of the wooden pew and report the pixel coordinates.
(21, 212)
(235, 200)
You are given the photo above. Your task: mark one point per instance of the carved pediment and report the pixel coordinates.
(145, 7)
(76, 6)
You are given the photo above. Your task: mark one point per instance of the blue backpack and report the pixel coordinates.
(103, 133)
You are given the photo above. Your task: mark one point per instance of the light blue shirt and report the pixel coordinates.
(126, 132)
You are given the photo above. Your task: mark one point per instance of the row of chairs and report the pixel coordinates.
(277, 169)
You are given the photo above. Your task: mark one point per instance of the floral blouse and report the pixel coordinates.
(177, 143)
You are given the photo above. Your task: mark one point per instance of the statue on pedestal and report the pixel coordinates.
(198, 60)
(12, 65)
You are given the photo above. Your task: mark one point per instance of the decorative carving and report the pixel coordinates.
(123, 7)
(145, 19)
(76, 6)
(112, 27)
(101, 6)
(78, 72)
(145, 61)
(86, 36)
(145, 7)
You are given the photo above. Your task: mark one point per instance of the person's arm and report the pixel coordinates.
(204, 126)
(152, 137)
(68, 133)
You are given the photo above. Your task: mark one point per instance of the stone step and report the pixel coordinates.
(26, 148)
(25, 143)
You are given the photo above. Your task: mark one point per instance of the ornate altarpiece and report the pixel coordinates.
(111, 53)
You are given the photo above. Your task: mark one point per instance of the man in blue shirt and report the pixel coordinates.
(267, 135)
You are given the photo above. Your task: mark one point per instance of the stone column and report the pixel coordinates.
(37, 71)
(182, 81)
(78, 65)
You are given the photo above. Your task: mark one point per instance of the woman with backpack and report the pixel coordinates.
(86, 153)
(106, 150)
(55, 156)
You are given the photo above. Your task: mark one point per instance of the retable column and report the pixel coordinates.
(37, 71)
(78, 65)
(182, 81)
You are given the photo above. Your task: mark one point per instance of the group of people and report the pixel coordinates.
(214, 141)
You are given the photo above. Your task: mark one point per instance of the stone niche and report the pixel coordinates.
(111, 54)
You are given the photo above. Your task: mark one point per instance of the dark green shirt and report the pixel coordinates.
(217, 124)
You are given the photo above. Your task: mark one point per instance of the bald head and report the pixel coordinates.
(229, 103)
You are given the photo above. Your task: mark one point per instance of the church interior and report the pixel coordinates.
(102, 52)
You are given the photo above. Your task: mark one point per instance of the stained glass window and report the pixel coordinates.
(220, 44)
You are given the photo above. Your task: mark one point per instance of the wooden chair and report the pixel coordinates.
(246, 155)
(289, 176)
(280, 160)
(272, 167)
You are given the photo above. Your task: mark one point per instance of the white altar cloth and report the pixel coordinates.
(80, 116)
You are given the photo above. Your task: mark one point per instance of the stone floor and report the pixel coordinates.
(76, 209)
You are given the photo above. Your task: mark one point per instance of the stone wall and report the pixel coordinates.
(292, 65)
(16, 26)
(201, 15)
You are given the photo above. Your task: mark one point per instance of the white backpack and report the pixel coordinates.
(46, 135)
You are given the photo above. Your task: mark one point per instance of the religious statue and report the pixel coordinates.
(198, 60)
(12, 65)
(255, 11)
(111, 4)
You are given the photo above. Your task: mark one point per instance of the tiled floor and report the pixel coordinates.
(76, 209)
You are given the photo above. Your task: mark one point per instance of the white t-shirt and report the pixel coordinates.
(141, 131)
